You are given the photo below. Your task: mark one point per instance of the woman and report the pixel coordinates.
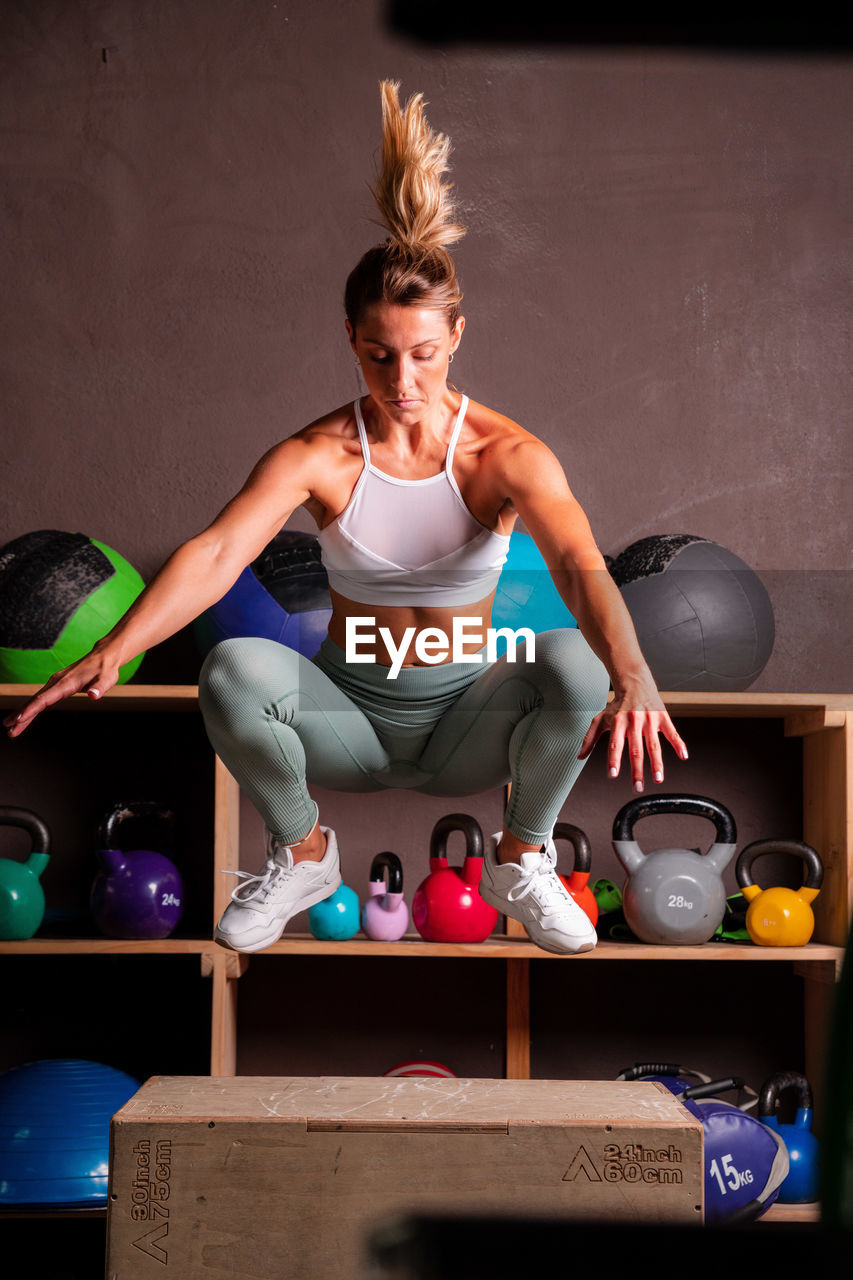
(415, 492)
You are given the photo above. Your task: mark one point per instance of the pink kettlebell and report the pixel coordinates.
(385, 916)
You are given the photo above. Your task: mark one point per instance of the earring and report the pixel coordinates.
(450, 358)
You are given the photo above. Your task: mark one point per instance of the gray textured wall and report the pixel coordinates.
(657, 271)
(657, 282)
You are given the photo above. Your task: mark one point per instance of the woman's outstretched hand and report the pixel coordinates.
(93, 674)
(635, 718)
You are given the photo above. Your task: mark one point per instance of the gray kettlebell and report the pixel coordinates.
(674, 896)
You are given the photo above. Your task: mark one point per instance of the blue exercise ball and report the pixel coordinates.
(526, 595)
(55, 1131)
(283, 595)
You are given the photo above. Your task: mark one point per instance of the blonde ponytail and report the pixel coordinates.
(415, 203)
(417, 209)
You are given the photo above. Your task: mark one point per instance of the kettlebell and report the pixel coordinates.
(21, 895)
(779, 917)
(385, 916)
(608, 896)
(337, 917)
(674, 896)
(578, 882)
(138, 891)
(447, 906)
(803, 1181)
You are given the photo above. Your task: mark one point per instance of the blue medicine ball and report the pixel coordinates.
(282, 596)
(745, 1162)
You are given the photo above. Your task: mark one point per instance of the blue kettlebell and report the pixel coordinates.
(337, 917)
(802, 1183)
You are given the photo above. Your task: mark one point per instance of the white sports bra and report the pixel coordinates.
(410, 542)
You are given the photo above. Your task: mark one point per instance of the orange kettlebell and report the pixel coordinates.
(578, 882)
(779, 917)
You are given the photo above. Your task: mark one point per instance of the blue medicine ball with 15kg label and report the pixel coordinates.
(745, 1161)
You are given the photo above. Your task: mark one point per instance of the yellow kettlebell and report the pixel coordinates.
(779, 917)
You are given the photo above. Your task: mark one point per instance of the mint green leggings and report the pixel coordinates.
(280, 721)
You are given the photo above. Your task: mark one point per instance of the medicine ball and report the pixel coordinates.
(526, 595)
(59, 594)
(703, 618)
(283, 595)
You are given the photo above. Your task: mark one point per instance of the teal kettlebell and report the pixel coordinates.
(337, 917)
(21, 894)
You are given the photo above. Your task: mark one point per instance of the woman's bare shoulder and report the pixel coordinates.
(493, 431)
(311, 456)
(513, 458)
(333, 435)
(339, 424)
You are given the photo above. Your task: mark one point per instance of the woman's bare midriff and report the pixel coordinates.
(396, 620)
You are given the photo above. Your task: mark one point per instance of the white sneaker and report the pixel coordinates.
(533, 893)
(262, 905)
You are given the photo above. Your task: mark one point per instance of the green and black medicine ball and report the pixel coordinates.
(59, 593)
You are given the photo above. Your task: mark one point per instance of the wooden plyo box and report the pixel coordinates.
(286, 1177)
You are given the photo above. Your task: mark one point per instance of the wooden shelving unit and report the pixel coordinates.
(823, 722)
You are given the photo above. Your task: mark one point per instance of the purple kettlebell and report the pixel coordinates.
(138, 892)
(385, 916)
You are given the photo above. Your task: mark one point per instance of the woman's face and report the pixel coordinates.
(404, 354)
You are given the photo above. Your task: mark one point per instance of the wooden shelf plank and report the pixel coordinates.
(748, 704)
(107, 946)
(154, 696)
(791, 1213)
(497, 947)
(502, 948)
(124, 697)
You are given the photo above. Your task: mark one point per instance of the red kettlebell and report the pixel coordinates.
(447, 906)
(578, 882)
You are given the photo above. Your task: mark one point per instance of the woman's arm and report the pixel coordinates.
(636, 715)
(196, 575)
